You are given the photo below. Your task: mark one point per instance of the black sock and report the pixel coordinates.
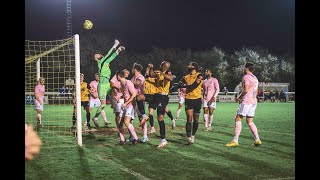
(141, 107)
(188, 129)
(162, 129)
(151, 120)
(88, 118)
(170, 115)
(195, 127)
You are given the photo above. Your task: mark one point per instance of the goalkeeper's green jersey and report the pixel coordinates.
(103, 64)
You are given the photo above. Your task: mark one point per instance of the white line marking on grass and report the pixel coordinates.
(289, 134)
(283, 178)
(138, 175)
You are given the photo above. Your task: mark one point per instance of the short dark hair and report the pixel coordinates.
(122, 72)
(250, 66)
(137, 67)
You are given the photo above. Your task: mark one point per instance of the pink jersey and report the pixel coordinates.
(210, 87)
(182, 92)
(127, 88)
(116, 93)
(39, 89)
(94, 86)
(252, 83)
(139, 88)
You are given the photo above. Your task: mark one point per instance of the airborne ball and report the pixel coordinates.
(87, 24)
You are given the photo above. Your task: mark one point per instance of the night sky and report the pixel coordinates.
(198, 24)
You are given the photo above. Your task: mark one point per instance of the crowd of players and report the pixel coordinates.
(128, 98)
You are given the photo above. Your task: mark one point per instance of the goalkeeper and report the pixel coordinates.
(104, 74)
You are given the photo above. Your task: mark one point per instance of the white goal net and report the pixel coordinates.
(58, 63)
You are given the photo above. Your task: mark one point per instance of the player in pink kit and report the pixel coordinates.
(95, 101)
(117, 97)
(138, 81)
(211, 90)
(181, 95)
(38, 102)
(248, 103)
(129, 93)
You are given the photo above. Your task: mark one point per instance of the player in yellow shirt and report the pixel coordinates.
(163, 78)
(84, 88)
(193, 84)
(149, 91)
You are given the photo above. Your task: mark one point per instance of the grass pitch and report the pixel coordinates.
(207, 158)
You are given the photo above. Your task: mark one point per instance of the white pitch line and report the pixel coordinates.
(283, 178)
(138, 175)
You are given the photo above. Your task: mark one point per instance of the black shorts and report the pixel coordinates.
(85, 104)
(194, 104)
(151, 100)
(161, 102)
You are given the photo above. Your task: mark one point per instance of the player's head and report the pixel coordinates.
(136, 68)
(96, 76)
(126, 73)
(248, 67)
(81, 77)
(121, 75)
(41, 80)
(208, 72)
(98, 56)
(193, 66)
(165, 66)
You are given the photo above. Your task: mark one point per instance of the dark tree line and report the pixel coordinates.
(226, 66)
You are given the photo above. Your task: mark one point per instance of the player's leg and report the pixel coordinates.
(161, 102)
(252, 126)
(74, 119)
(127, 118)
(205, 115)
(151, 106)
(39, 109)
(181, 101)
(196, 113)
(119, 123)
(212, 107)
(168, 112)
(242, 111)
(39, 118)
(103, 88)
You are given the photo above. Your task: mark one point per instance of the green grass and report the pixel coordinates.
(207, 158)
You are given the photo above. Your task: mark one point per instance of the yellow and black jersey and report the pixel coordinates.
(193, 92)
(150, 86)
(84, 88)
(162, 84)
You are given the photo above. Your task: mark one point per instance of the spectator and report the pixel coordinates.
(282, 97)
(260, 96)
(277, 96)
(62, 90)
(272, 96)
(225, 90)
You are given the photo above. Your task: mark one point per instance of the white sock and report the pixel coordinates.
(206, 119)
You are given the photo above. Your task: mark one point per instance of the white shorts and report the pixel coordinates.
(117, 105)
(247, 109)
(181, 100)
(37, 106)
(128, 112)
(94, 103)
(212, 105)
